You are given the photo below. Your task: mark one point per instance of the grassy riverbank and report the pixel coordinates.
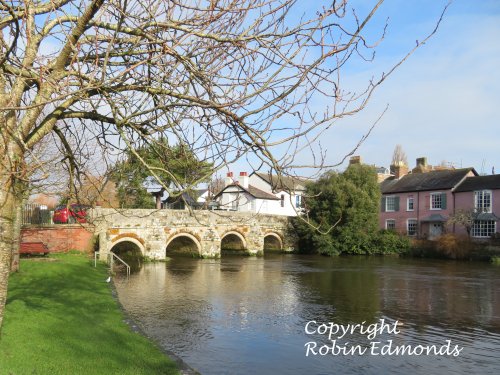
(61, 318)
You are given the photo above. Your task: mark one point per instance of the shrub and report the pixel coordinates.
(391, 242)
(454, 247)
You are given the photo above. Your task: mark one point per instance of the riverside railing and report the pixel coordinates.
(112, 258)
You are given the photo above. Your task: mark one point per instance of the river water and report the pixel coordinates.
(262, 315)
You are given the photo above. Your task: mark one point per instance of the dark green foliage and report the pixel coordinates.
(173, 165)
(391, 242)
(344, 208)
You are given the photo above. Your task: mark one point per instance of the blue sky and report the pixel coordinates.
(443, 101)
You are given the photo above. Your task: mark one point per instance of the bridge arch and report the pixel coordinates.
(273, 242)
(124, 243)
(183, 243)
(233, 241)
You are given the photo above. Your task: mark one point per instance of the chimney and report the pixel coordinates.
(243, 180)
(229, 179)
(422, 166)
(399, 170)
(355, 160)
(422, 161)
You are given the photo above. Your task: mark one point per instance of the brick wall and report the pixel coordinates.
(60, 238)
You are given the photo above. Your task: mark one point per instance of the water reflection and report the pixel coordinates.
(242, 315)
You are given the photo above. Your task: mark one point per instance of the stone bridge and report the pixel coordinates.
(208, 234)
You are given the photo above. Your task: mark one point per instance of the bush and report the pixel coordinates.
(454, 247)
(450, 246)
(391, 242)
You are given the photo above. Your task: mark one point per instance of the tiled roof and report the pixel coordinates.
(283, 182)
(434, 180)
(253, 191)
(480, 183)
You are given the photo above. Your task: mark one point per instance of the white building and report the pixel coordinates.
(262, 193)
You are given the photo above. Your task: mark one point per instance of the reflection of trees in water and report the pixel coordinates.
(458, 295)
(185, 302)
(168, 301)
(349, 288)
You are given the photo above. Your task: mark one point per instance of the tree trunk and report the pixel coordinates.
(16, 235)
(7, 203)
(11, 155)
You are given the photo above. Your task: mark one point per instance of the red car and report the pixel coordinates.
(70, 214)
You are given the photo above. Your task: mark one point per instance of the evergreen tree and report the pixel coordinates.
(175, 166)
(344, 210)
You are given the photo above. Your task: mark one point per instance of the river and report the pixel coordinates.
(262, 315)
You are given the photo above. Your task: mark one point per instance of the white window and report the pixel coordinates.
(482, 200)
(411, 227)
(410, 204)
(391, 203)
(438, 201)
(390, 224)
(235, 198)
(298, 201)
(484, 228)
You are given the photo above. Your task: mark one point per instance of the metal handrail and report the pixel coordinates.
(113, 255)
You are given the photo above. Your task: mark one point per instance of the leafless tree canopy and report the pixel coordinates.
(399, 156)
(226, 77)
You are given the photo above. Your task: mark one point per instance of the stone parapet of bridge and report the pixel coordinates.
(156, 233)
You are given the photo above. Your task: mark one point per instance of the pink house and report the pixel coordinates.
(419, 204)
(481, 197)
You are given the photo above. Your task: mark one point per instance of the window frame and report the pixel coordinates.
(486, 224)
(393, 199)
(412, 199)
(387, 222)
(483, 192)
(298, 201)
(415, 221)
(440, 195)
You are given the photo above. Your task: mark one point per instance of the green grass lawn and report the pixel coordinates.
(61, 318)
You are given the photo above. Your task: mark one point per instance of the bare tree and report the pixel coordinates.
(225, 77)
(465, 218)
(215, 186)
(399, 156)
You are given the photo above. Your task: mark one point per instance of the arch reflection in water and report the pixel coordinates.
(246, 315)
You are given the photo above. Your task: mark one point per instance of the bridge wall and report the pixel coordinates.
(153, 230)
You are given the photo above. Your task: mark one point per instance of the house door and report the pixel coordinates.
(435, 230)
